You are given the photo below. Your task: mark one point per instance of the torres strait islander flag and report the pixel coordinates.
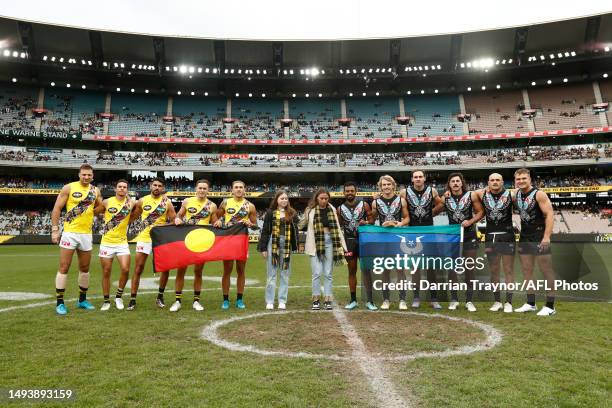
(184, 245)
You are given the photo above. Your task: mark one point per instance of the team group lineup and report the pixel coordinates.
(332, 237)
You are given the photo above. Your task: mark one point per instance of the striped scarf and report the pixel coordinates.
(276, 226)
(334, 231)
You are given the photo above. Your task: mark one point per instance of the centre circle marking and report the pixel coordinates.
(493, 338)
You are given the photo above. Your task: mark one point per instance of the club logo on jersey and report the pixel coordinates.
(192, 210)
(77, 194)
(112, 210)
(231, 210)
(146, 207)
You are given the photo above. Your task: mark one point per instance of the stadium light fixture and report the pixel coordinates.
(469, 88)
(6, 53)
(553, 64)
(307, 95)
(484, 88)
(293, 95)
(605, 75)
(44, 58)
(250, 95)
(363, 94)
(354, 71)
(542, 57)
(498, 86)
(320, 95)
(205, 93)
(435, 91)
(422, 91)
(118, 89)
(549, 82)
(533, 83)
(178, 92)
(290, 72)
(199, 70)
(409, 92)
(191, 70)
(341, 71)
(607, 49)
(510, 61)
(377, 93)
(377, 70)
(462, 65)
(67, 85)
(83, 86)
(566, 54)
(263, 95)
(560, 55)
(439, 67)
(52, 83)
(240, 71)
(60, 60)
(237, 94)
(284, 72)
(14, 79)
(146, 91)
(322, 72)
(564, 80)
(350, 94)
(265, 72)
(232, 71)
(131, 90)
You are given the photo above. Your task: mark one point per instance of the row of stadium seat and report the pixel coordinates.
(565, 107)
(370, 160)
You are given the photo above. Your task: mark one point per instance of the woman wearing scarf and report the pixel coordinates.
(278, 239)
(325, 245)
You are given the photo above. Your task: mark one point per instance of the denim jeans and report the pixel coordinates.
(323, 267)
(283, 288)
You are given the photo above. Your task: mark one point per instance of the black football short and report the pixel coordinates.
(500, 243)
(529, 243)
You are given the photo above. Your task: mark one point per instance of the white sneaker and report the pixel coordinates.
(470, 307)
(197, 306)
(526, 308)
(416, 303)
(385, 305)
(508, 307)
(119, 304)
(403, 305)
(453, 305)
(497, 306)
(546, 311)
(436, 306)
(176, 306)
(282, 306)
(105, 306)
(269, 306)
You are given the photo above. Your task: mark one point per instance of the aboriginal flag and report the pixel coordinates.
(184, 245)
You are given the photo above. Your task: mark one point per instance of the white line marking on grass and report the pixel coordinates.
(493, 338)
(23, 296)
(380, 383)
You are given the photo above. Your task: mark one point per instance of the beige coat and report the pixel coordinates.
(310, 247)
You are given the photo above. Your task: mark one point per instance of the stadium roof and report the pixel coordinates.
(578, 49)
(298, 21)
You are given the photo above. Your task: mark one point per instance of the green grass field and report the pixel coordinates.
(154, 358)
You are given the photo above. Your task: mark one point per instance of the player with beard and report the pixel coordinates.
(499, 237)
(80, 199)
(463, 207)
(351, 214)
(150, 210)
(391, 210)
(424, 203)
(537, 220)
(235, 210)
